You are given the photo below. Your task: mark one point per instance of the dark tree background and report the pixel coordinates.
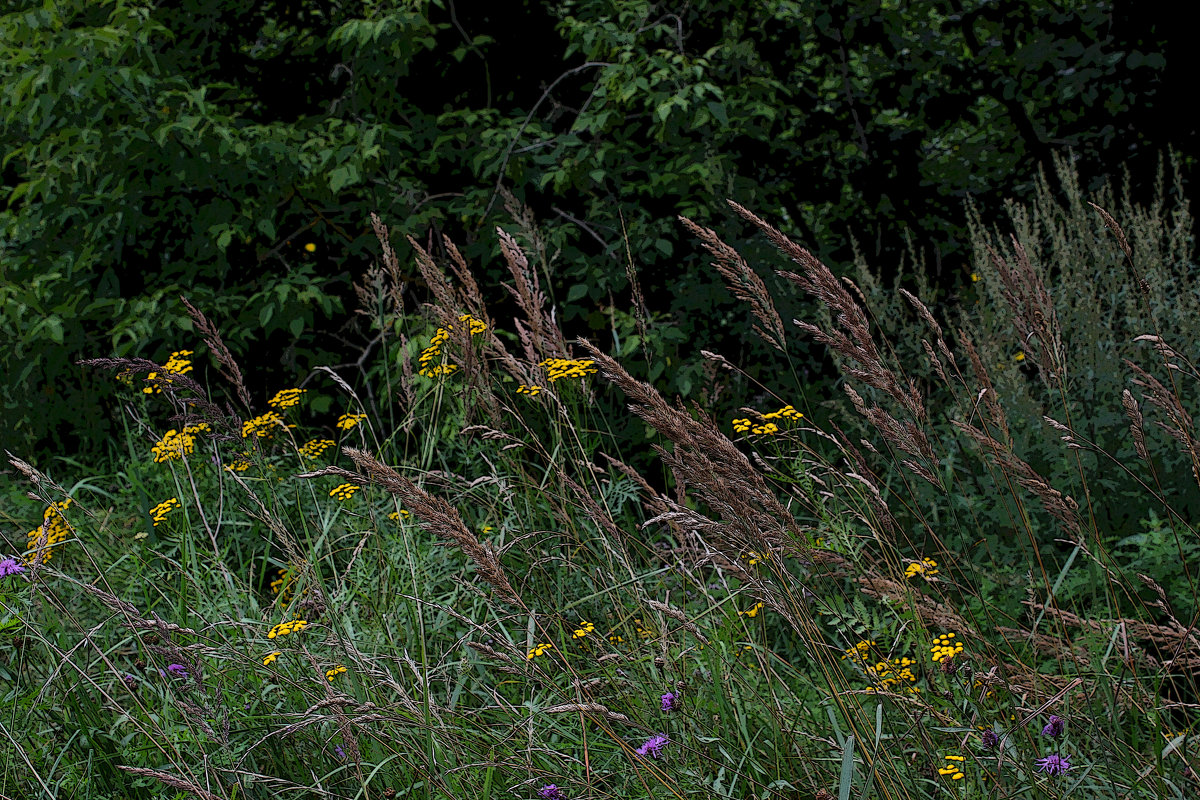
(195, 147)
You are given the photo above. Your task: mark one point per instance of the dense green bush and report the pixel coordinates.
(199, 147)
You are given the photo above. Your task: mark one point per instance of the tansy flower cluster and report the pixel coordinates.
(538, 649)
(767, 425)
(583, 630)
(240, 464)
(283, 585)
(952, 768)
(286, 398)
(434, 353)
(401, 514)
(269, 658)
(262, 426)
(57, 530)
(284, 628)
(343, 491)
(177, 364)
(330, 674)
(177, 445)
(859, 651)
(160, 511)
(752, 611)
(890, 674)
(926, 568)
(754, 557)
(559, 368)
(531, 390)
(945, 647)
(347, 421)
(313, 449)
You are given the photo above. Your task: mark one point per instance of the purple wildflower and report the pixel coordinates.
(1054, 727)
(339, 752)
(11, 566)
(551, 792)
(1053, 764)
(654, 746)
(990, 740)
(177, 670)
(670, 702)
(131, 681)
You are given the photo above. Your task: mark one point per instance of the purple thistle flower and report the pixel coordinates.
(1054, 727)
(11, 566)
(1053, 764)
(670, 702)
(551, 792)
(654, 746)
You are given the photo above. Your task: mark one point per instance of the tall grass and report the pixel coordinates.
(446, 575)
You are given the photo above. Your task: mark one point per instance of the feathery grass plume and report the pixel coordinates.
(1033, 314)
(394, 287)
(216, 345)
(1061, 507)
(1181, 428)
(904, 435)
(174, 781)
(653, 501)
(196, 407)
(641, 314)
(1136, 429)
(542, 339)
(745, 284)
(853, 341)
(925, 314)
(526, 222)
(713, 466)
(438, 516)
(470, 294)
(437, 282)
(987, 393)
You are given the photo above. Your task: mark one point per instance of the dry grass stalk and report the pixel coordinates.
(392, 289)
(745, 284)
(853, 340)
(927, 315)
(541, 339)
(439, 285)
(586, 708)
(931, 612)
(987, 393)
(197, 407)
(678, 616)
(884, 525)
(439, 517)
(1033, 314)
(174, 781)
(470, 293)
(653, 501)
(904, 435)
(1061, 507)
(1181, 428)
(216, 345)
(1136, 428)
(704, 458)
(641, 314)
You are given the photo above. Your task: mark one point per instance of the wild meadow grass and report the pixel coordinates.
(445, 572)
